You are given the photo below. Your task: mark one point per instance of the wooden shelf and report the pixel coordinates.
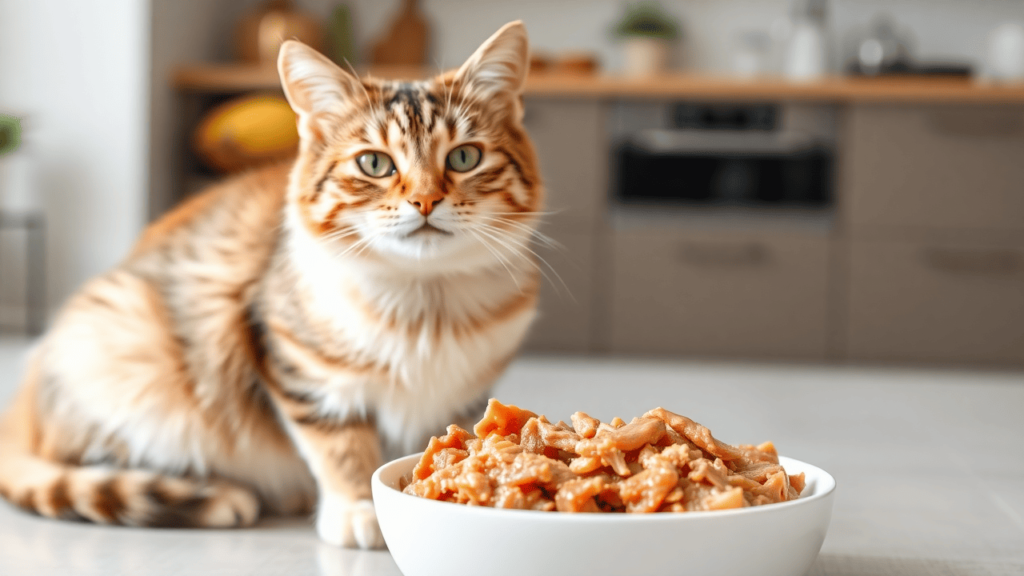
(229, 78)
(837, 89)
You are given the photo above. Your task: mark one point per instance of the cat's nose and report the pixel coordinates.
(425, 202)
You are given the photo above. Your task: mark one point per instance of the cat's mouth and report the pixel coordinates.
(428, 229)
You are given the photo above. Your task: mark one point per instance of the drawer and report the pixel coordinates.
(936, 302)
(952, 167)
(564, 321)
(712, 293)
(569, 136)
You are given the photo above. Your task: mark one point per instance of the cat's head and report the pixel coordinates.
(434, 171)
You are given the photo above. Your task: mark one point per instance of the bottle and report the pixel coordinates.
(805, 56)
(1005, 62)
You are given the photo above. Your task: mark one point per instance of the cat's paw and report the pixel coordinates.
(231, 507)
(348, 523)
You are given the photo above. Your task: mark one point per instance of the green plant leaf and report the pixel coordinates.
(647, 20)
(10, 133)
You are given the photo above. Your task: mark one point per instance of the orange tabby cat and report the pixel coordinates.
(265, 343)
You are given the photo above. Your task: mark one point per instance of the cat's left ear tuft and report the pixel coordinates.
(311, 82)
(499, 67)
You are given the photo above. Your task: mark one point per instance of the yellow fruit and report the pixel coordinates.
(247, 131)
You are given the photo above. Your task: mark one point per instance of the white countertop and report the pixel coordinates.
(929, 465)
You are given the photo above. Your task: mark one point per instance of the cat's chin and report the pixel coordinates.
(423, 245)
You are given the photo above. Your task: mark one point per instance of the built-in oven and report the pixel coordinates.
(716, 155)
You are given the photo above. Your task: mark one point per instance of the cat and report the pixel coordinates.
(266, 344)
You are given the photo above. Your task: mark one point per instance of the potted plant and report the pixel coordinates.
(647, 33)
(10, 134)
(13, 166)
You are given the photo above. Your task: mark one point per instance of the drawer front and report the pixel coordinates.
(719, 294)
(936, 302)
(569, 137)
(564, 321)
(955, 167)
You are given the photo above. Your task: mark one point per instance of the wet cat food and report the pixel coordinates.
(659, 462)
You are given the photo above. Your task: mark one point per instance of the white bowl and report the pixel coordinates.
(432, 538)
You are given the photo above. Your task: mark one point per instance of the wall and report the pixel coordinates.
(78, 72)
(202, 30)
(942, 28)
(93, 80)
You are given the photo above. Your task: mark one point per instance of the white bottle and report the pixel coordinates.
(805, 55)
(1006, 53)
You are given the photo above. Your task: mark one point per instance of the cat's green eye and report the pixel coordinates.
(464, 158)
(376, 164)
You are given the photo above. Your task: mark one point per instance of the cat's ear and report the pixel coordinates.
(499, 66)
(312, 83)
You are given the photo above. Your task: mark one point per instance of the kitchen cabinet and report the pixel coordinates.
(928, 301)
(933, 211)
(566, 317)
(571, 147)
(952, 168)
(569, 137)
(753, 294)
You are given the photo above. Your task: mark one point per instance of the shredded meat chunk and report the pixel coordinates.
(538, 434)
(501, 419)
(584, 425)
(660, 462)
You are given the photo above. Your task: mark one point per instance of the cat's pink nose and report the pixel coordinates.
(425, 203)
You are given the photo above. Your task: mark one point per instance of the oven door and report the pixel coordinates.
(752, 168)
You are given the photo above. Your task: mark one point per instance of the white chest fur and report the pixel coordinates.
(420, 346)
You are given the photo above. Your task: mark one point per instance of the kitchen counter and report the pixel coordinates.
(929, 466)
(228, 78)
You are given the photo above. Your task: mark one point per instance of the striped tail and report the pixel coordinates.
(110, 495)
(128, 497)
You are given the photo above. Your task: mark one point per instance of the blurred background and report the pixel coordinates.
(797, 180)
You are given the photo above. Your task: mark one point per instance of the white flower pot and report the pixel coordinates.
(645, 56)
(17, 194)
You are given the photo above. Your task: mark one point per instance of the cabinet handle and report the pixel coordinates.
(977, 262)
(978, 122)
(724, 255)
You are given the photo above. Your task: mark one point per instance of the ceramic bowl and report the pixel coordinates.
(431, 538)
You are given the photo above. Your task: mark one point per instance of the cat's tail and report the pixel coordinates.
(108, 495)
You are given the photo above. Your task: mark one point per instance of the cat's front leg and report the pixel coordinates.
(345, 515)
(342, 455)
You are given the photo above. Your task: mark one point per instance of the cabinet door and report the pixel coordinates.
(566, 296)
(950, 167)
(738, 294)
(569, 136)
(924, 301)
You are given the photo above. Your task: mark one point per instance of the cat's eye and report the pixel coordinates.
(464, 158)
(376, 164)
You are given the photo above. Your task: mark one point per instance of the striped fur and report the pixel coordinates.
(269, 342)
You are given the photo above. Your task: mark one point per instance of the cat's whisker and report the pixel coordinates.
(497, 256)
(540, 236)
(334, 237)
(519, 226)
(547, 213)
(365, 241)
(519, 254)
(520, 250)
(366, 246)
(483, 229)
